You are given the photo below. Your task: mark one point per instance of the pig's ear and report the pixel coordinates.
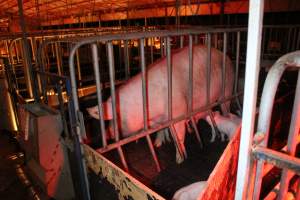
(107, 109)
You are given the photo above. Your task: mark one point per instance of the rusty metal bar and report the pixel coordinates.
(113, 101)
(145, 103)
(99, 93)
(277, 158)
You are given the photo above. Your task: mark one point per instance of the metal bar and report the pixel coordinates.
(62, 110)
(28, 67)
(277, 158)
(145, 103)
(113, 101)
(208, 68)
(169, 72)
(78, 66)
(251, 83)
(196, 132)
(17, 51)
(224, 64)
(237, 61)
(292, 140)
(196, 39)
(126, 57)
(181, 41)
(58, 58)
(190, 94)
(151, 49)
(165, 45)
(160, 126)
(161, 47)
(99, 93)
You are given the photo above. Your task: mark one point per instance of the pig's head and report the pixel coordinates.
(107, 111)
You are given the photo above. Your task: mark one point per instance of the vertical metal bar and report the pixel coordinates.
(208, 68)
(29, 76)
(99, 93)
(52, 49)
(165, 46)
(169, 72)
(151, 49)
(181, 41)
(145, 103)
(292, 141)
(251, 83)
(161, 47)
(263, 43)
(32, 49)
(224, 64)
(237, 63)
(17, 50)
(58, 58)
(78, 66)
(113, 100)
(196, 39)
(61, 108)
(126, 56)
(190, 94)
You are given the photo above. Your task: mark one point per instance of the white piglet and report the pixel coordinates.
(190, 192)
(226, 125)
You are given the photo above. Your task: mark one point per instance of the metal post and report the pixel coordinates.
(237, 63)
(113, 101)
(145, 103)
(99, 93)
(126, 57)
(29, 75)
(151, 49)
(208, 68)
(181, 41)
(58, 58)
(169, 72)
(224, 65)
(251, 83)
(78, 66)
(292, 141)
(165, 45)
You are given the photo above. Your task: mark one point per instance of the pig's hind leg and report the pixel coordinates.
(178, 134)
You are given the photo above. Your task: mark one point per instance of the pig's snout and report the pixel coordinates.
(107, 111)
(93, 111)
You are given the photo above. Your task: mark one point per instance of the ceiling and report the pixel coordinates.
(53, 12)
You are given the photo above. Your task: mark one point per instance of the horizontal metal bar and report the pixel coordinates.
(277, 158)
(161, 126)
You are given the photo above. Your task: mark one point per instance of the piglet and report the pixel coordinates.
(226, 125)
(190, 192)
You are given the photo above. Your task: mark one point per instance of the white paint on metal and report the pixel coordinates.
(251, 82)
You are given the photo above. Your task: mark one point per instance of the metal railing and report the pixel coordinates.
(166, 37)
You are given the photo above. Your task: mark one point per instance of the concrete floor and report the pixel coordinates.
(11, 187)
